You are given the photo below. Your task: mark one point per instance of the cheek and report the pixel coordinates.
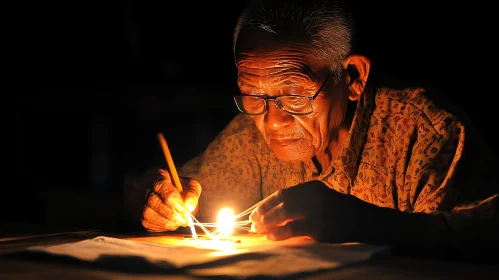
(259, 123)
(313, 124)
(338, 108)
(329, 117)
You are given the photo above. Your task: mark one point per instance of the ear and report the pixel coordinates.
(357, 68)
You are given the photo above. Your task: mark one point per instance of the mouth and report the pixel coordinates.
(284, 142)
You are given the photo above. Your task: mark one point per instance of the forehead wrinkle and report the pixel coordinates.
(279, 61)
(296, 56)
(276, 71)
(289, 78)
(283, 66)
(280, 77)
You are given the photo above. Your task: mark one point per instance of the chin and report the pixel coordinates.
(287, 154)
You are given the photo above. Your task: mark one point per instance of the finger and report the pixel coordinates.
(191, 195)
(170, 196)
(255, 216)
(265, 205)
(291, 229)
(266, 220)
(153, 221)
(277, 216)
(270, 202)
(191, 202)
(166, 176)
(156, 204)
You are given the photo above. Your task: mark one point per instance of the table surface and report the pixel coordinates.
(382, 267)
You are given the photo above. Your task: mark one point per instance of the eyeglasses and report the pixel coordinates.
(292, 104)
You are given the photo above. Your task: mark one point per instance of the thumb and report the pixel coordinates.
(191, 202)
(191, 193)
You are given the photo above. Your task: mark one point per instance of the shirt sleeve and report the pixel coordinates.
(474, 218)
(475, 222)
(228, 170)
(432, 166)
(454, 176)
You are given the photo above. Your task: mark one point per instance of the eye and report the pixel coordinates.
(252, 104)
(252, 101)
(291, 91)
(294, 101)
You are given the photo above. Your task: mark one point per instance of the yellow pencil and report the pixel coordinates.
(176, 179)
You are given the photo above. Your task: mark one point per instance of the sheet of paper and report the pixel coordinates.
(209, 258)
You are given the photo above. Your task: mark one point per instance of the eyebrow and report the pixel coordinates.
(287, 82)
(251, 89)
(292, 80)
(284, 82)
(243, 84)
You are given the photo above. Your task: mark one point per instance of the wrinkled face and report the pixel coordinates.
(291, 69)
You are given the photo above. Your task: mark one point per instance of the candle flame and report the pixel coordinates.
(225, 222)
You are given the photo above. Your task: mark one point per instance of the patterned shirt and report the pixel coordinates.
(403, 151)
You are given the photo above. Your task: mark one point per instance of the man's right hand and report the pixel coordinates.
(163, 207)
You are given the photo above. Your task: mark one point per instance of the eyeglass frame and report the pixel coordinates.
(278, 104)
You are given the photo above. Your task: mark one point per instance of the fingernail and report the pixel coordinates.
(190, 206)
(179, 207)
(270, 236)
(254, 217)
(180, 219)
(256, 227)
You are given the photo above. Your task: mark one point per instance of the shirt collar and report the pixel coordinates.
(347, 160)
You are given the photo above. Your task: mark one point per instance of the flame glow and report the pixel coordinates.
(225, 222)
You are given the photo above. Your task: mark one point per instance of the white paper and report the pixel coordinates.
(268, 260)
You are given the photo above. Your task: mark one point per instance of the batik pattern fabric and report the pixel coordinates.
(403, 151)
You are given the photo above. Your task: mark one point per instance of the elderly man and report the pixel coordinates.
(331, 152)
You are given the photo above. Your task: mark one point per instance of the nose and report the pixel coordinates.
(277, 118)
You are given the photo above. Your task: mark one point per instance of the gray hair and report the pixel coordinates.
(326, 25)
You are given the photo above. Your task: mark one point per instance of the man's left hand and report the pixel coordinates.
(310, 209)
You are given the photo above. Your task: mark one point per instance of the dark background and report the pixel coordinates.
(95, 81)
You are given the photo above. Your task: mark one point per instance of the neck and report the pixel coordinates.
(338, 138)
(333, 150)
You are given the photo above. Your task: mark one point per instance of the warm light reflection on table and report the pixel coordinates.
(244, 242)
